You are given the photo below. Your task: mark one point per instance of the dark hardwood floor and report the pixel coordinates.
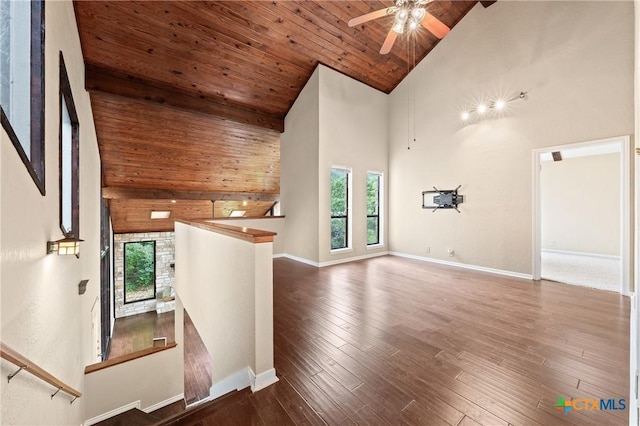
(197, 364)
(396, 341)
(136, 332)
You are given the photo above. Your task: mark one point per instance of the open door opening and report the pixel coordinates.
(582, 214)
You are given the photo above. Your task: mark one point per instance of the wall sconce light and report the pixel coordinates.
(68, 245)
(495, 105)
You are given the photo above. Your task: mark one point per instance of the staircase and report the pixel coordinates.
(170, 416)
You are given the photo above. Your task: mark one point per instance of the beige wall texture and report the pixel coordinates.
(580, 204)
(299, 151)
(575, 59)
(228, 291)
(42, 315)
(152, 380)
(336, 121)
(353, 133)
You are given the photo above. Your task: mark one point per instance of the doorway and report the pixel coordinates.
(578, 237)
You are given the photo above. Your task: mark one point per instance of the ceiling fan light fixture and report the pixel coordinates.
(413, 25)
(418, 14)
(398, 27)
(402, 15)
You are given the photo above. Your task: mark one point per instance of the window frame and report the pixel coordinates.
(124, 272)
(348, 216)
(66, 96)
(380, 208)
(35, 161)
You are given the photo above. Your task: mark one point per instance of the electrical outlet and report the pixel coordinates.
(428, 250)
(451, 252)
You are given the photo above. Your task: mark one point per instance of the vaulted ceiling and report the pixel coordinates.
(189, 98)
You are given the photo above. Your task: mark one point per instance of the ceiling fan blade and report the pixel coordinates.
(388, 42)
(434, 25)
(370, 16)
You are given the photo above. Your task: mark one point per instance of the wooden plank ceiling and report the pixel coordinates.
(189, 98)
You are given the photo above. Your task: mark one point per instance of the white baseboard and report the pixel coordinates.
(237, 381)
(301, 260)
(464, 265)
(580, 253)
(262, 380)
(353, 258)
(114, 412)
(164, 403)
(334, 262)
(277, 255)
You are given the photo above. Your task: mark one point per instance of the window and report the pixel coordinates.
(22, 82)
(139, 271)
(69, 158)
(374, 201)
(340, 209)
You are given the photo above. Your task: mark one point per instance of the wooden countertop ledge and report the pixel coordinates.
(240, 232)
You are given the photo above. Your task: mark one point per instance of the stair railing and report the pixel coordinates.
(31, 367)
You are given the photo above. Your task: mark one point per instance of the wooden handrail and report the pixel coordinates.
(126, 358)
(31, 367)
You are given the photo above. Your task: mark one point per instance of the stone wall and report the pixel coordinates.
(164, 273)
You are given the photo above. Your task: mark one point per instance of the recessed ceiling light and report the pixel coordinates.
(173, 201)
(237, 213)
(465, 115)
(156, 214)
(482, 108)
(499, 104)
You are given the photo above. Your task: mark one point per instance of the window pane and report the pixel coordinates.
(372, 230)
(338, 192)
(66, 138)
(373, 191)
(139, 271)
(15, 68)
(339, 208)
(338, 233)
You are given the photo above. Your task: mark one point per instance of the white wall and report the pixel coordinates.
(43, 317)
(299, 152)
(226, 285)
(580, 204)
(576, 61)
(336, 121)
(154, 379)
(353, 133)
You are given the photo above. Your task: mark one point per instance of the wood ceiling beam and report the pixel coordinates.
(115, 193)
(98, 79)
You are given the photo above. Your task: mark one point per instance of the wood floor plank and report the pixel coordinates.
(396, 341)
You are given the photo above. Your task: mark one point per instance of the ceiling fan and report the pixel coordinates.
(409, 15)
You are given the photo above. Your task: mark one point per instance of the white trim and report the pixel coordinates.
(112, 413)
(275, 256)
(625, 206)
(164, 403)
(580, 253)
(381, 209)
(375, 246)
(341, 250)
(335, 262)
(262, 380)
(301, 260)
(237, 381)
(464, 265)
(352, 259)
